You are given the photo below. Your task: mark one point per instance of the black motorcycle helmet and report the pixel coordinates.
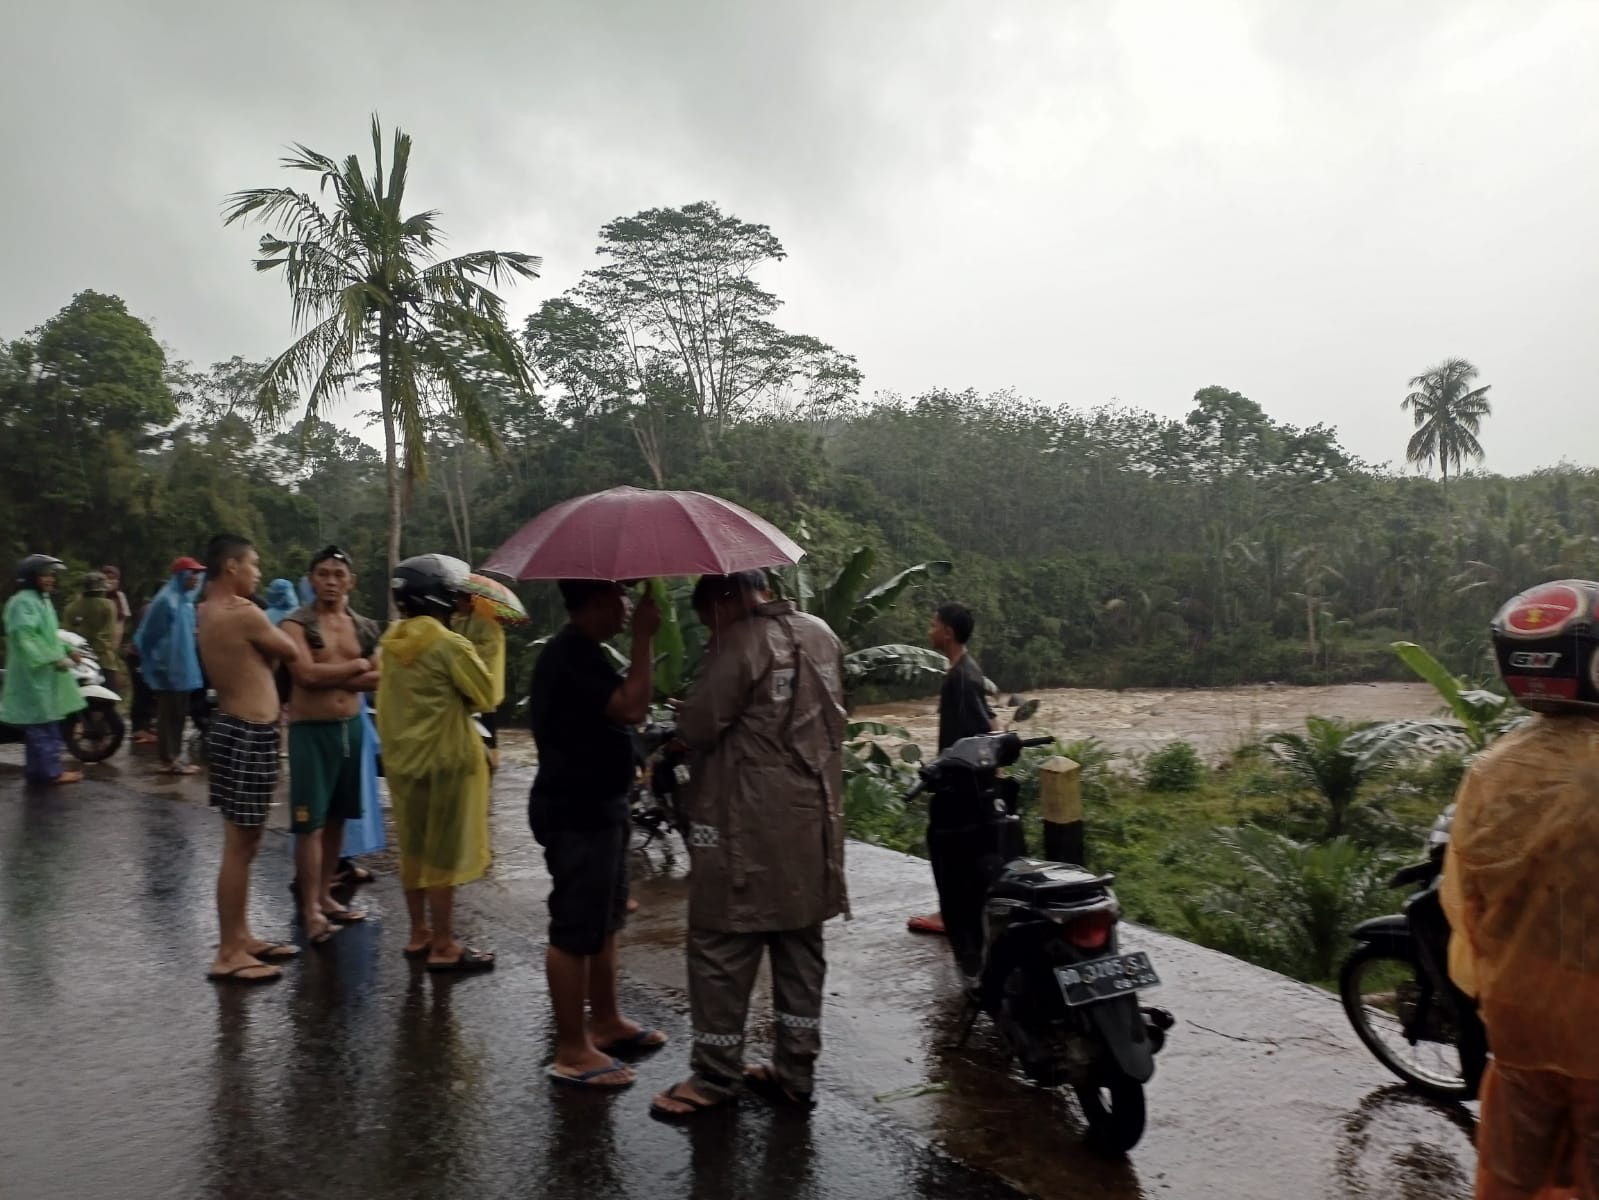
(1545, 640)
(35, 565)
(427, 585)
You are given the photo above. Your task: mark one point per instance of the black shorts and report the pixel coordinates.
(588, 876)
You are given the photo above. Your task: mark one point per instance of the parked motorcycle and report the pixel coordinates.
(95, 732)
(1053, 978)
(1398, 995)
(659, 770)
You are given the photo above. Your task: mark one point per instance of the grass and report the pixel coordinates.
(1174, 872)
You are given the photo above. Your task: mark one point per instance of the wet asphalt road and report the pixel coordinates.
(124, 1074)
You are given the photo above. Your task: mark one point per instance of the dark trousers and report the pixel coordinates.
(44, 749)
(171, 714)
(142, 714)
(721, 974)
(964, 863)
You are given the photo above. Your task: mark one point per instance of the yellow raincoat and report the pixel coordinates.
(1521, 887)
(433, 758)
(488, 639)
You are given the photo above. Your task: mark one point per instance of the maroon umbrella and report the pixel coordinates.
(635, 533)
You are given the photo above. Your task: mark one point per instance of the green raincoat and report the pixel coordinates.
(36, 691)
(433, 758)
(94, 618)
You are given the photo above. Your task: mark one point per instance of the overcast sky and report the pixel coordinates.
(1306, 202)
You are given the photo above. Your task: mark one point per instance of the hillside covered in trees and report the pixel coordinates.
(1099, 546)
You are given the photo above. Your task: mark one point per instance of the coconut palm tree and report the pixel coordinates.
(1448, 414)
(368, 289)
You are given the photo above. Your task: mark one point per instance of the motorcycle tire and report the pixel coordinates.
(94, 734)
(1115, 1113)
(1473, 1055)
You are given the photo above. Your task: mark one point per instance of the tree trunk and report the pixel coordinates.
(391, 455)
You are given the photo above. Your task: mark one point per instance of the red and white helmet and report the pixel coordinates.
(1545, 641)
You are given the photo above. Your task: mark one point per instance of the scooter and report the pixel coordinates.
(95, 732)
(1397, 993)
(1053, 978)
(659, 769)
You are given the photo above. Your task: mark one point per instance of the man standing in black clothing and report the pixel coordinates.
(963, 712)
(582, 711)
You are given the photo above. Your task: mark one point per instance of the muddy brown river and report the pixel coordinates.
(1215, 720)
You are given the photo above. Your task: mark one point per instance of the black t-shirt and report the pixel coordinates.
(963, 710)
(585, 758)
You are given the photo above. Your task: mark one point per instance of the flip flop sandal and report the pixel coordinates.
(275, 952)
(470, 960)
(636, 1043)
(415, 952)
(766, 1086)
(326, 936)
(933, 925)
(237, 975)
(350, 874)
(696, 1107)
(590, 1079)
(347, 916)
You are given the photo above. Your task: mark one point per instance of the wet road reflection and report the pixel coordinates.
(125, 1074)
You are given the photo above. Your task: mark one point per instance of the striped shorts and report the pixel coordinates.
(243, 758)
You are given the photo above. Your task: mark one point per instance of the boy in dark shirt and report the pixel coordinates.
(963, 709)
(582, 710)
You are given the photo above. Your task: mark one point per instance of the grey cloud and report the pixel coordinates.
(1307, 203)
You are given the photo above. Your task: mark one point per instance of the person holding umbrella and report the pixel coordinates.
(582, 712)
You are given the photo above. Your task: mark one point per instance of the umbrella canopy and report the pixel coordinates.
(493, 599)
(636, 533)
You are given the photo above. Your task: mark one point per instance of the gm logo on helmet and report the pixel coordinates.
(1535, 660)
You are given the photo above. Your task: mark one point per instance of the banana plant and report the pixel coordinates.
(1479, 716)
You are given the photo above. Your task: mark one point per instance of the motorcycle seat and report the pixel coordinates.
(1038, 881)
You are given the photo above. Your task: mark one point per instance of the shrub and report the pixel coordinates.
(1173, 768)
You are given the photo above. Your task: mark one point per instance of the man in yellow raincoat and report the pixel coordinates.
(93, 617)
(1519, 888)
(39, 689)
(434, 758)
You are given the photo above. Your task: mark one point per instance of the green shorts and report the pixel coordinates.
(324, 772)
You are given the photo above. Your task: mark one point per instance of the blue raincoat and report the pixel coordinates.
(282, 599)
(307, 592)
(169, 655)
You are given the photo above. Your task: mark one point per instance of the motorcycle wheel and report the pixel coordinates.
(1375, 985)
(94, 734)
(1115, 1112)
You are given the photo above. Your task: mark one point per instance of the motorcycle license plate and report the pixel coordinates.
(1106, 978)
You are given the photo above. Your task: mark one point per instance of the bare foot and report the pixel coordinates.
(319, 930)
(272, 951)
(67, 777)
(632, 906)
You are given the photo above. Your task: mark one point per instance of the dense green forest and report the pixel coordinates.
(1100, 546)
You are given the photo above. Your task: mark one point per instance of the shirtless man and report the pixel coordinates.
(337, 661)
(239, 648)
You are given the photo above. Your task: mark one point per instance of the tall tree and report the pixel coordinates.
(365, 281)
(675, 320)
(1448, 413)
